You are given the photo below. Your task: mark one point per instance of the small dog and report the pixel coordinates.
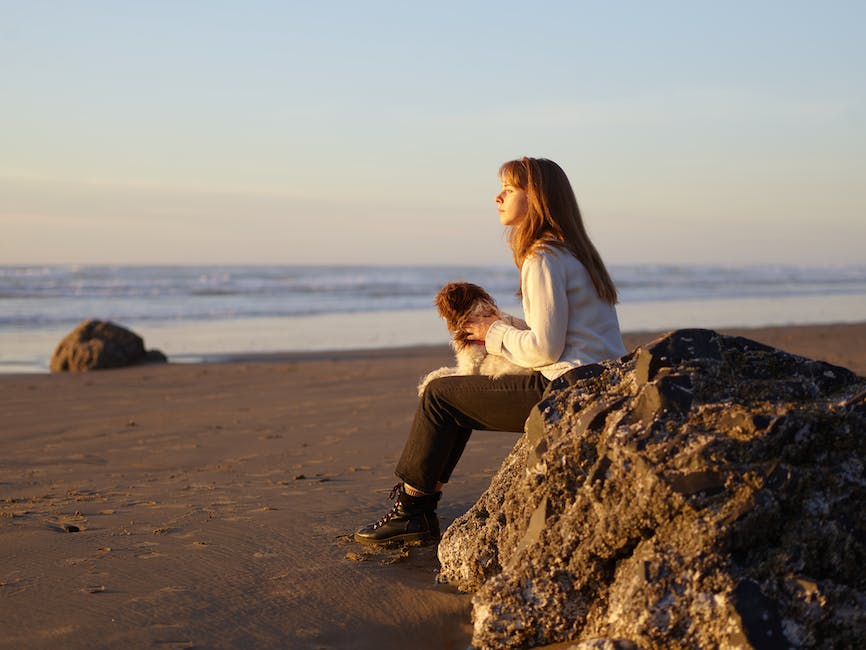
(456, 302)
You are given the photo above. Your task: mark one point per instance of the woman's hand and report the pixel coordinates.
(477, 326)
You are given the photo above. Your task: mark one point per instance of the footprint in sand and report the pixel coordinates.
(68, 524)
(149, 551)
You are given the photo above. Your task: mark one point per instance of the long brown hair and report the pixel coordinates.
(552, 219)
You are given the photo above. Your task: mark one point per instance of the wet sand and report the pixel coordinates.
(208, 505)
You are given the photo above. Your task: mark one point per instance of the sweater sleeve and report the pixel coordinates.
(543, 284)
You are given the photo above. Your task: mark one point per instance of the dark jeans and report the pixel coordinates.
(451, 408)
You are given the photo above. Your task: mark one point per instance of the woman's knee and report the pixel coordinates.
(437, 386)
(444, 391)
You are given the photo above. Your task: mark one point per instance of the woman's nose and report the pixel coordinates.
(498, 198)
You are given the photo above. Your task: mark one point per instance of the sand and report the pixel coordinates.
(209, 505)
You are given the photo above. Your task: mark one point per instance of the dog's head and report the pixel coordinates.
(458, 301)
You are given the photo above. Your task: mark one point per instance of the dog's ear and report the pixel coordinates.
(445, 305)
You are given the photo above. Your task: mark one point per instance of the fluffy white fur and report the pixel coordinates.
(456, 302)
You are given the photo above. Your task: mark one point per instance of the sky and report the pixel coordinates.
(283, 132)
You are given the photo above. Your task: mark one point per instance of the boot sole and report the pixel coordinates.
(397, 539)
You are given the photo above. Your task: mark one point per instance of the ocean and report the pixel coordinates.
(208, 313)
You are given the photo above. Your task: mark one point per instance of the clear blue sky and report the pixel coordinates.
(300, 132)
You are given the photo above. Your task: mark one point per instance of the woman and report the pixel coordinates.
(568, 303)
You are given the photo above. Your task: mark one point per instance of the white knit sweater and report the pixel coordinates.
(566, 323)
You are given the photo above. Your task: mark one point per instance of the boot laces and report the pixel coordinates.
(392, 495)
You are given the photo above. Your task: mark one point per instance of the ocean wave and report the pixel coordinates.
(48, 296)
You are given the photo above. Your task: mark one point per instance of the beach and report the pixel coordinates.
(211, 505)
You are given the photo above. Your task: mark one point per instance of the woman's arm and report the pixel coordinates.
(514, 321)
(543, 282)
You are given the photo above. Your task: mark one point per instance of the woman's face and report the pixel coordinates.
(512, 204)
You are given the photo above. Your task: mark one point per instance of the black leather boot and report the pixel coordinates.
(411, 519)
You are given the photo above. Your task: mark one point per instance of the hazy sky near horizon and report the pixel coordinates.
(276, 131)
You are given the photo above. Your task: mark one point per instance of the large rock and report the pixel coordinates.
(704, 491)
(96, 345)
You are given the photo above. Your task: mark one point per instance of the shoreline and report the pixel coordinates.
(211, 504)
(774, 335)
(797, 339)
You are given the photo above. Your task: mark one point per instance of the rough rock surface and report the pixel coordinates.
(704, 491)
(96, 345)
